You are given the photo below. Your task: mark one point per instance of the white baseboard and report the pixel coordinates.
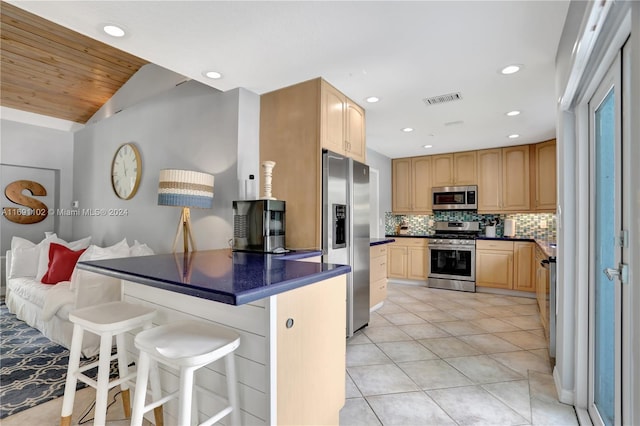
(418, 283)
(565, 396)
(376, 307)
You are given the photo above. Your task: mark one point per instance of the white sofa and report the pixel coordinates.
(46, 307)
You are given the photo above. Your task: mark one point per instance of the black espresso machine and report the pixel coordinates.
(258, 225)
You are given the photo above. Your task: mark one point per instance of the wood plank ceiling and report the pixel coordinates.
(50, 70)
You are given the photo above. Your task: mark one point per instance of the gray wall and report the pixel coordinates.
(34, 147)
(383, 165)
(191, 126)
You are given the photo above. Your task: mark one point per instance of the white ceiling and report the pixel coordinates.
(401, 52)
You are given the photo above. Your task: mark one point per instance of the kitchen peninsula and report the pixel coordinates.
(291, 359)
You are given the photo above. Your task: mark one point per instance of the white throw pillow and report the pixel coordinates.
(24, 258)
(43, 260)
(94, 252)
(138, 249)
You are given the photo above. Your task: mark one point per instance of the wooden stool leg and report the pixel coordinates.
(123, 371)
(72, 378)
(102, 392)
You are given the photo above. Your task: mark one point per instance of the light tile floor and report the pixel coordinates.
(440, 357)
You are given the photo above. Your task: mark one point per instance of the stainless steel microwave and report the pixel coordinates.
(455, 197)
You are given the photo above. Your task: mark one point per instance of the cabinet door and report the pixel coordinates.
(416, 266)
(515, 178)
(401, 185)
(545, 175)
(494, 268)
(332, 118)
(355, 133)
(421, 184)
(442, 170)
(311, 353)
(523, 271)
(397, 261)
(489, 180)
(464, 168)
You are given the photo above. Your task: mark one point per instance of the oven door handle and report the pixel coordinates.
(451, 247)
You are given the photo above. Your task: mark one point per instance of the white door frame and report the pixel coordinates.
(610, 81)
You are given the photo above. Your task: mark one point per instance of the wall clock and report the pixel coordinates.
(126, 170)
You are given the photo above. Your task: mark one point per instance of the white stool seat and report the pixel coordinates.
(186, 346)
(111, 316)
(106, 320)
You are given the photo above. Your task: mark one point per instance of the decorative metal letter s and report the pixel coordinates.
(33, 211)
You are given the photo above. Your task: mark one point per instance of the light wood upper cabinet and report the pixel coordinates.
(454, 169)
(332, 115)
(401, 177)
(503, 179)
(355, 132)
(343, 124)
(515, 178)
(442, 170)
(411, 183)
(490, 180)
(296, 123)
(545, 176)
(464, 168)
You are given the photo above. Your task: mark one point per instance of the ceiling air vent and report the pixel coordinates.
(443, 98)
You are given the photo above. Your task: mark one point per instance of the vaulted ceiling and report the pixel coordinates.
(402, 52)
(50, 70)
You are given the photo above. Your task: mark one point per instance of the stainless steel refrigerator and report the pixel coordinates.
(345, 229)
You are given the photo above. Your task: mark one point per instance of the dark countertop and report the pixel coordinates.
(549, 248)
(378, 241)
(225, 276)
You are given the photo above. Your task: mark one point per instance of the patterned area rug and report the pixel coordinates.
(32, 368)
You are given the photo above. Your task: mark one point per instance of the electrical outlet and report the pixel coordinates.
(543, 224)
(430, 222)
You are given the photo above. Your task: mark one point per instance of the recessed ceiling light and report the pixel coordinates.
(428, 146)
(212, 74)
(514, 136)
(407, 129)
(510, 69)
(372, 99)
(513, 113)
(113, 30)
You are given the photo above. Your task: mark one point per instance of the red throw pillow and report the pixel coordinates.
(62, 260)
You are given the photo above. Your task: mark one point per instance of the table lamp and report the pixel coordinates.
(186, 189)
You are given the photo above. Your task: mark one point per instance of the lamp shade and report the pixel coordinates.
(185, 188)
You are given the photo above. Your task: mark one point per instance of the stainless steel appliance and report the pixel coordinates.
(345, 229)
(258, 225)
(452, 256)
(550, 265)
(455, 197)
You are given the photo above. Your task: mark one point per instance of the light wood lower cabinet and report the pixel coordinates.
(542, 288)
(505, 265)
(408, 259)
(378, 275)
(311, 352)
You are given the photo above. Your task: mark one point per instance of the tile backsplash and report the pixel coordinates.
(541, 226)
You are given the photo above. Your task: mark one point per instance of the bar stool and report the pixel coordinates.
(186, 346)
(106, 320)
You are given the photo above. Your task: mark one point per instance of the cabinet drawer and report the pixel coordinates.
(414, 242)
(378, 268)
(494, 245)
(379, 250)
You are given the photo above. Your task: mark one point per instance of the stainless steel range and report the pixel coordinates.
(452, 255)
